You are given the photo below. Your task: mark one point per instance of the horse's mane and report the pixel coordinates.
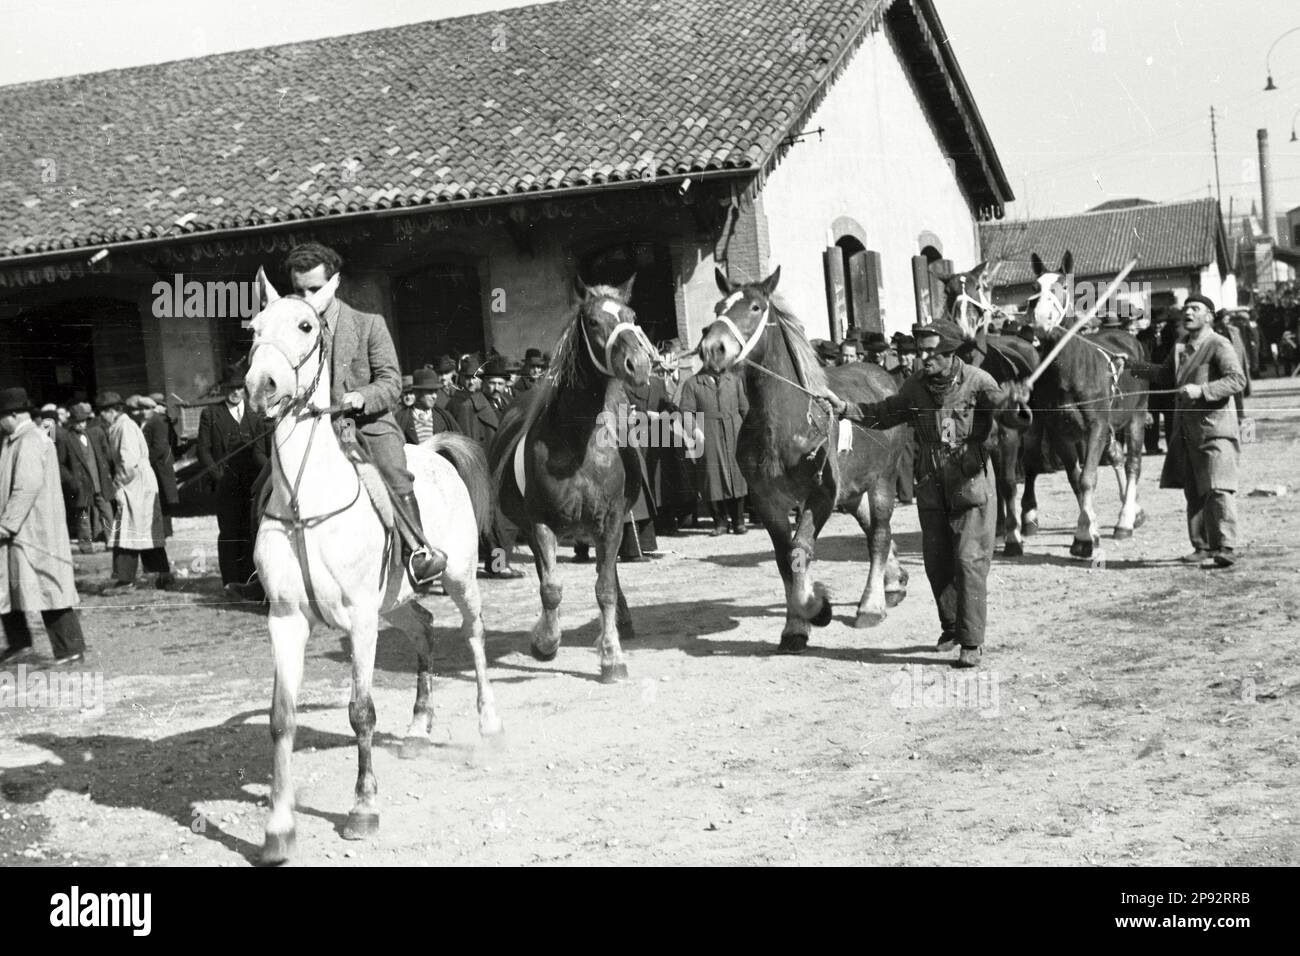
(562, 373)
(803, 357)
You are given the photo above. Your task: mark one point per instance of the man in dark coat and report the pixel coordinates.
(229, 429)
(81, 475)
(904, 486)
(366, 380)
(952, 407)
(1205, 442)
(534, 366)
(719, 403)
(104, 513)
(157, 435)
(445, 369)
(424, 419)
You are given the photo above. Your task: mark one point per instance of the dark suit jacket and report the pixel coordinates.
(363, 360)
(157, 435)
(442, 422)
(98, 434)
(476, 416)
(219, 435)
(77, 468)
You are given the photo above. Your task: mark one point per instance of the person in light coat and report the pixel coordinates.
(35, 555)
(138, 537)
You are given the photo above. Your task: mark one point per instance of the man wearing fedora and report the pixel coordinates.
(154, 426)
(425, 419)
(84, 480)
(408, 393)
(233, 448)
(365, 378)
(445, 368)
(138, 537)
(876, 347)
(952, 407)
(827, 352)
(35, 556)
(534, 367)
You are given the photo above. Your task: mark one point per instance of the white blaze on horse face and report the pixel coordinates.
(729, 302)
(609, 307)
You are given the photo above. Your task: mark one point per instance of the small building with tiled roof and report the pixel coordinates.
(467, 169)
(1181, 247)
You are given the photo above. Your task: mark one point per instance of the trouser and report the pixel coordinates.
(79, 526)
(904, 486)
(102, 518)
(638, 538)
(728, 509)
(1211, 518)
(386, 445)
(126, 560)
(958, 549)
(62, 625)
(234, 534)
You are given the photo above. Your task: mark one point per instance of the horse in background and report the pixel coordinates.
(789, 451)
(559, 468)
(1085, 403)
(1008, 358)
(324, 547)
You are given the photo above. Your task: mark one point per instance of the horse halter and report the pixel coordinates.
(301, 396)
(611, 309)
(1059, 310)
(746, 345)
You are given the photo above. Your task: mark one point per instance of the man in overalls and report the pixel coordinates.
(951, 406)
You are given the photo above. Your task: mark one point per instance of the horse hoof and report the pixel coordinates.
(1140, 520)
(277, 849)
(869, 619)
(1013, 549)
(792, 643)
(895, 597)
(490, 726)
(1081, 549)
(613, 673)
(823, 616)
(543, 655)
(1123, 534)
(413, 748)
(1028, 528)
(361, 826)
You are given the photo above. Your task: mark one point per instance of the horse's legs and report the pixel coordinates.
(289, 631)
(416, 624)
(794, 637)
(612, 666)
(1130, 512)
(1083, 478)
(363, 820)
(873, 513)
(1031, 450)
(545, 640)
(626, 632)
(1008, 455)
(465, 594)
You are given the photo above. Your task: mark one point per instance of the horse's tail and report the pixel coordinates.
(471, 464)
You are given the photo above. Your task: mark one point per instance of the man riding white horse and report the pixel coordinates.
(365, 379)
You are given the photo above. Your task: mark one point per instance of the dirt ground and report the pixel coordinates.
(1134, 712)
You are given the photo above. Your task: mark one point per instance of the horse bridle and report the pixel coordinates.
(746, 345)
(1061, 310)
(610, 308)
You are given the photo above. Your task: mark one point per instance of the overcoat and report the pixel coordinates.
(1205, 440)
(157, 435)
(140, 522)
(720, 405)
(36, 570)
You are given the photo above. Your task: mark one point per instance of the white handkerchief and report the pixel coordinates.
(845, 442)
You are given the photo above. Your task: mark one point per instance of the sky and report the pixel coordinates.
(1085, 101)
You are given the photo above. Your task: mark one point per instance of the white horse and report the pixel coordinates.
(322, 550)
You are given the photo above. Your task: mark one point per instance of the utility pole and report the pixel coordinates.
(1214, 143)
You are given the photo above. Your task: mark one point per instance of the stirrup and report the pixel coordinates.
(410, 568)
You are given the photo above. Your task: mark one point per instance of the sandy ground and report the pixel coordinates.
(1134, 712)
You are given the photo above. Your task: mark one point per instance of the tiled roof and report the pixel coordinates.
(521, 101)
(1163, 236)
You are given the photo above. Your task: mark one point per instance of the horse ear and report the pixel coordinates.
(323, 296)
(1067, 263)
(1036, 264)
(724, 284)
(625, 290)
(580, 288)
(265, 291)
(977, 271)
(768, 285)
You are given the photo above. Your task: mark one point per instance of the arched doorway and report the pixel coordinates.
(653, 294)
(437, 310)
(852, 287)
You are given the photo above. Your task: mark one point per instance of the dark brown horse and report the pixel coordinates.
(1086, 402)
(789, 453)
(557, 462)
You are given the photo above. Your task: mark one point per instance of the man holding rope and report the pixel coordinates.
(951, 406)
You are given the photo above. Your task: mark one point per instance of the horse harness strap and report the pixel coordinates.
(610, 339)
(746, 345)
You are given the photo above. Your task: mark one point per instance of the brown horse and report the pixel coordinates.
(1085, 403)
(560, 470)
(789, 452)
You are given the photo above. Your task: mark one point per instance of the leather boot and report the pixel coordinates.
(423, 563)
